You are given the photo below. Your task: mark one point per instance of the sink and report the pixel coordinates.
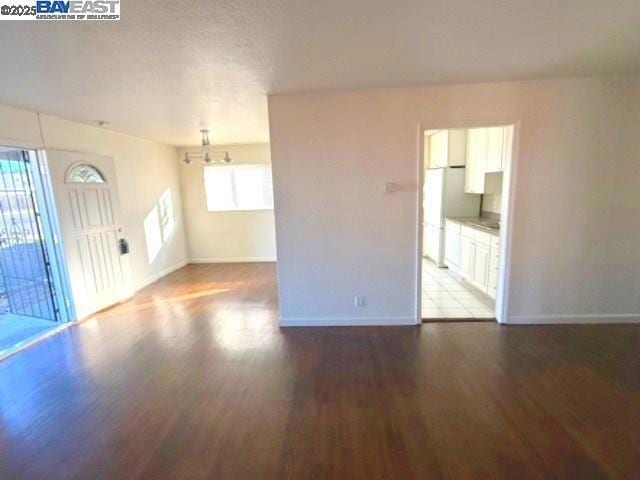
(488, 224)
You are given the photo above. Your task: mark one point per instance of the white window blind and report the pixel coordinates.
(238, 187)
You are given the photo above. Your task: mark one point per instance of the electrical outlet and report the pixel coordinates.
(358, 301)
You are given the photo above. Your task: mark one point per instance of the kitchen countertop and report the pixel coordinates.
(481, 223)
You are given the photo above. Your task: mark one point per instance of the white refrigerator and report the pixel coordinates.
(443, 196)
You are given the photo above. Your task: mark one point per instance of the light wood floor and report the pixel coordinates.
(193, 379)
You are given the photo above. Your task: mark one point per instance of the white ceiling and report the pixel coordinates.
(168, 68)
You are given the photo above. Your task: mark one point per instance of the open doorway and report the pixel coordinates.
(32, 286)
(463, 202)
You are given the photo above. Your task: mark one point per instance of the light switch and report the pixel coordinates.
(390, 187)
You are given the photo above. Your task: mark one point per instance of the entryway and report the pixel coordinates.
(31, 291)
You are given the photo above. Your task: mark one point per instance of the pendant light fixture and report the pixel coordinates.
(206, 153)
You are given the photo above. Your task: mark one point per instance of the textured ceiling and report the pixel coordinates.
(168, 68)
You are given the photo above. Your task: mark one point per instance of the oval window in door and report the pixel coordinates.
(84, 173)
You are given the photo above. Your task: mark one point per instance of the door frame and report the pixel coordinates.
(64, 292)
(111, 180)
(42, 190)
(58, 260)
(507, 207)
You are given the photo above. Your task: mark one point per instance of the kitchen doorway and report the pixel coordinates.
(464, 205)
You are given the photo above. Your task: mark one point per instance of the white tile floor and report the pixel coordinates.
(444, 296)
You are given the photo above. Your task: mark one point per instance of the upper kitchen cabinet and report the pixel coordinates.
(445, 148)
(488, 150)
(476, 160)
(499, 146)
(495, 138)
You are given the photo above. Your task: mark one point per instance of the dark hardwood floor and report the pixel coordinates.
(193, 379)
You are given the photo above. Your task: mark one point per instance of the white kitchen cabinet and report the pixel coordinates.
(480, 272)
(476, 160)
(452, 249)
(488, 150)
(494, 267)
(438, 149)
(479, 259)
(457, 148)
(499, 148)
(492, 288)
(467, 257)
(468, 232)
(494, 263)
(445, 148)
(495, 149)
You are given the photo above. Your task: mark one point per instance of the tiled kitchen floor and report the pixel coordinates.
(444, 296)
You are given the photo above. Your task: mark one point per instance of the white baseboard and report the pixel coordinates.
(345, 321)
(232, 260)
(157, 276)
(573, 319)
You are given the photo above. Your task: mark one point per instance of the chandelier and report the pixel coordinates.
(206, 153)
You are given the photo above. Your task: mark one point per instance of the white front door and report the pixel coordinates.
(88, 208)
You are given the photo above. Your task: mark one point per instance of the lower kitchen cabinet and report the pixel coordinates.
(494, 266)
(480, 274)
(467, 255)
(479, 256)
(492, 289)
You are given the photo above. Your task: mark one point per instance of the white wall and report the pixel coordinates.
(144, 169)
(226, 236)
(492, 203)
(576, 228)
